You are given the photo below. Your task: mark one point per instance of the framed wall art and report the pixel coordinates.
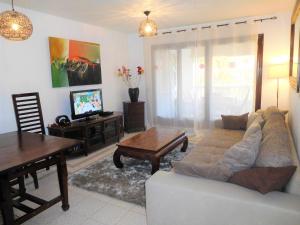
(74, 63)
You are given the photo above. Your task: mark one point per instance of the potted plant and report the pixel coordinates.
(132, 81)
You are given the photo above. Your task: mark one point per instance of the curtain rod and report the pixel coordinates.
(222, 25)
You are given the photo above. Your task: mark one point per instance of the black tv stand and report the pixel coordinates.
(106, 113)
(85, 119)
(96, 132)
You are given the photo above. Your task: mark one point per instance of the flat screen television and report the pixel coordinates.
(86, 103)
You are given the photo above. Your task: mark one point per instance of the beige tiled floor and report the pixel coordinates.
(86, 208)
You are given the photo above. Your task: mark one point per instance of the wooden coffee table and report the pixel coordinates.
(150, 145)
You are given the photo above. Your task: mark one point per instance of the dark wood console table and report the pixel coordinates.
(22, 153)
(134, 116)
(94, 133)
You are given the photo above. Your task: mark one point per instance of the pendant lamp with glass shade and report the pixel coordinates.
(148, 28)
(14, 25)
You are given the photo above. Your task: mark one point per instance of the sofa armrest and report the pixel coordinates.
(173, 199)
(293, 186)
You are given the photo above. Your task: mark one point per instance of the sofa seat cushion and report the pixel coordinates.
(221, 138)
(220, 163)
(202, 161)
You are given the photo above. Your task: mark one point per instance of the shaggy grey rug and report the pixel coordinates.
(128, 183)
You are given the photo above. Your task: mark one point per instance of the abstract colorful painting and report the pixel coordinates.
(74, 63)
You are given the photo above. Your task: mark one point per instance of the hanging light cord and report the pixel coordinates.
(12, 5)
(147, 13)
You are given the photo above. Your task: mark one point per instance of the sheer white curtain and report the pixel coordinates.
(178, 85)
(233, 76)
(194, 78)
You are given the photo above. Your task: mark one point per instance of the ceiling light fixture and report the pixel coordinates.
(148, 28)
(14, 25)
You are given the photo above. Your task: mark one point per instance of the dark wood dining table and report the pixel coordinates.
(22, 153)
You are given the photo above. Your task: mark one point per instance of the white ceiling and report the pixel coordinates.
(125, 15)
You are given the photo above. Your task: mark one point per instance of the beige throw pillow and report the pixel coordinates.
(235, 122)
(243, 154)
(252, 116)
(255, 126)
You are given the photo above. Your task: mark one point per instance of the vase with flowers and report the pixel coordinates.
(132, 81)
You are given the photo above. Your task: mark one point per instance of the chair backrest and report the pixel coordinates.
(28, 112)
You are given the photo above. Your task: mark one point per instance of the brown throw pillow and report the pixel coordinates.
(235, 122)
(264, 179)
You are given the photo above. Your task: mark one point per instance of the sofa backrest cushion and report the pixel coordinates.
(275, 149)
(221, 138)
(270, 110)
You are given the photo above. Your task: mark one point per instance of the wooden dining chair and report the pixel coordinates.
(29, 117)
(28, 112)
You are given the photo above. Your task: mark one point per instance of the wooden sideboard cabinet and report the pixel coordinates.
(134, 116)
(95, 133)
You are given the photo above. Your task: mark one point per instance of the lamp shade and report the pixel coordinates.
(15, 26)
(278, 70)
(147, 28)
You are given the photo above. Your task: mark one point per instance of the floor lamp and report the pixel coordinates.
(278, 71)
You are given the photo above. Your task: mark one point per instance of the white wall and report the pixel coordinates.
(136, 58)
(276, 46)
(294, 117)
(25, 66)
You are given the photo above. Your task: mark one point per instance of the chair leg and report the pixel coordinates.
(35, 180)
(48, 168)
(22, 187)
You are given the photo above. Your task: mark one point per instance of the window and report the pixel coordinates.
(195, 83)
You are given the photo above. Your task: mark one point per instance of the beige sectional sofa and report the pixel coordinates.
(176, 199)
